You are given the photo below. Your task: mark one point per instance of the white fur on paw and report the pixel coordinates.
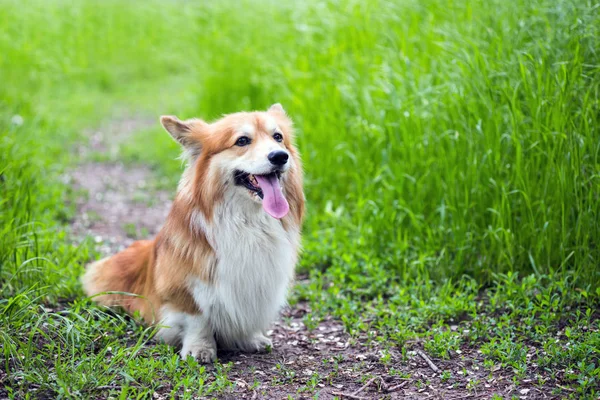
(258, 343)
(203, 352)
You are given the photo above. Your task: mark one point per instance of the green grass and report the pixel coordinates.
(452, 157)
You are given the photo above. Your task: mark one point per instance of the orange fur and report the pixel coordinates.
(129, 271)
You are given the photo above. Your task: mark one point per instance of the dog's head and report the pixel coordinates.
(246, 157)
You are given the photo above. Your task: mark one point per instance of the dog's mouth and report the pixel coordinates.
(267, 188)
(250, 182)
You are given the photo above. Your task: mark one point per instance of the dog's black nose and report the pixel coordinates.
(278, 157)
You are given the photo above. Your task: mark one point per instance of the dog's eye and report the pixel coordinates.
(278, 137)
(243, 141)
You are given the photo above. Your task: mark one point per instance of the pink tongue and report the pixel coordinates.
(273, 201)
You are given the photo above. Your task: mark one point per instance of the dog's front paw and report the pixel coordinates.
(201, 351)
(258, 343)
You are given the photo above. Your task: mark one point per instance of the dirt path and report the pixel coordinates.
(121, 206)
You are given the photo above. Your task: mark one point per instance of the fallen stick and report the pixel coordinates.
(354, 395)
(396, 387)
(364, 386)
(429, 362)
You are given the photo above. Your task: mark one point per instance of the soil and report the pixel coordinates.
(349, 368)
(121, 206)
(327, 363)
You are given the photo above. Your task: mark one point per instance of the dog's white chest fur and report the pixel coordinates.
(256, 260)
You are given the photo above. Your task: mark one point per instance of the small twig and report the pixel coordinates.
(396, 387)
(364, 386)
(429, 362)
(383, 385)
(565, 388)
(354, 395)
(348, 395)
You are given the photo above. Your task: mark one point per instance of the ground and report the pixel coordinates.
(120, 204)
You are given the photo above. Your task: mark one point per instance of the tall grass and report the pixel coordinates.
(440, 138)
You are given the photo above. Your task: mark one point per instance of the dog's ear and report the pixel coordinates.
(182, 131)
(277, 108)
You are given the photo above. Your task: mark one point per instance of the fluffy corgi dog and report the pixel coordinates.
(220, 268)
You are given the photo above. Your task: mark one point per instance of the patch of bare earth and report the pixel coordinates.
(327, 362)
(121, 206)
(109, 136)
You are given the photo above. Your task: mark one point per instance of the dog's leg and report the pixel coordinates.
(198, 339)
(172, 326)
(257, 343)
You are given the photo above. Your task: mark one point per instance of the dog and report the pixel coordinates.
(220, 268)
